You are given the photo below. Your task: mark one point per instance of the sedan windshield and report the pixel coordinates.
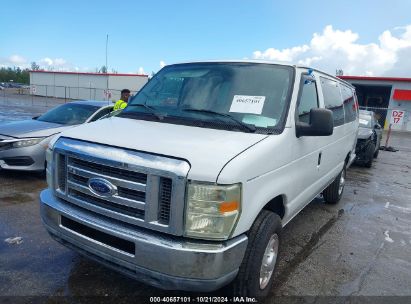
(248, 97)
(69, 114)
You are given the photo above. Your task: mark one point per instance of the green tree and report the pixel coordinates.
(103, 70)
(35, 66)
(14, 74)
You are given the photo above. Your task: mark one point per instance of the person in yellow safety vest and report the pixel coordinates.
(122, 102)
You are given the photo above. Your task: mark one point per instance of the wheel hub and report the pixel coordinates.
(268, 261)
(342, 183)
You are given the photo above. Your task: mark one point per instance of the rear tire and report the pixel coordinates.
(333, 193)
(256, 273)
(369, 155)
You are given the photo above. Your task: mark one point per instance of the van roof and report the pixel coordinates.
(269, 62)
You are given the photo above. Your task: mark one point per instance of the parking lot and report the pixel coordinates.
(359, 247)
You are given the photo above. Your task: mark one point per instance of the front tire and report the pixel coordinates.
(255, 276)
(369, 155)
(377, 152)
(333, 193)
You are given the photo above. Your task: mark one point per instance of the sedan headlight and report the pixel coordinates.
(50, 162)
(212, 210)
(27, 142)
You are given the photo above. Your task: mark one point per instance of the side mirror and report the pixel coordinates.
(377, 126)
(321, 124)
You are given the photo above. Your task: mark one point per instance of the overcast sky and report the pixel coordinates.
(360, 37)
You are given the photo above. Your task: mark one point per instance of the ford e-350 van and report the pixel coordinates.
(189, 187)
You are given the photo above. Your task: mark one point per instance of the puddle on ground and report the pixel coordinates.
(15, 198)
(357, 179)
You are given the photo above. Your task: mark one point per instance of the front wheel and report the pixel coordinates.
(333, 193)
(255, 276)
(369, 155)
(376, 152)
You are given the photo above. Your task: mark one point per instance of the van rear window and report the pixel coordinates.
(333, 100)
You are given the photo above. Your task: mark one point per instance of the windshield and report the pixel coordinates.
(365, 121)
(69, 114)
(249, 97)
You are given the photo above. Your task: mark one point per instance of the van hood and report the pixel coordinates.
(206, 150)
(30, 128)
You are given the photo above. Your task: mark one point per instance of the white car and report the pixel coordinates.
(189, 187)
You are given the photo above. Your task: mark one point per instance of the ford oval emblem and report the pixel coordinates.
(101, 187)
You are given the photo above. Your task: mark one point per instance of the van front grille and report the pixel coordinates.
(165, 200)
(90, 199)
(110, 171)
(132, 187)
(62, 172)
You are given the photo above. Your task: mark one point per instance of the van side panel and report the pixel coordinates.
(297, 168)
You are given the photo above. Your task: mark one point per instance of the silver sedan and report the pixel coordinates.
(23, 143)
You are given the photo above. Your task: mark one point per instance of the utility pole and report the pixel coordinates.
(106, 51)
(107, 69)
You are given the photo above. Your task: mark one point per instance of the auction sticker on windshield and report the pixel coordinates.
(247, 104)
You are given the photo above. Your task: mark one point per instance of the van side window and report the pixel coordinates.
(349, 103)
(308, 100)
(333, 100)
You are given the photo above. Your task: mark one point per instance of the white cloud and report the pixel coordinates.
(335, 49)
(46, 61)
(162, 64)
(281, 55)
(141, 71)
(17, 59)
(14, 61)
(57, 62)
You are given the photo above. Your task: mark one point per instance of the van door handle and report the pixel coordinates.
(319, 158)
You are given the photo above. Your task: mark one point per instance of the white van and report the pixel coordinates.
(189, 187)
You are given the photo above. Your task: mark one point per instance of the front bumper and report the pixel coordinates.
(154, 258)
(30, 158)
(360, 150)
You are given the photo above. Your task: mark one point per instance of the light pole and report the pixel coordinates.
(107, 68)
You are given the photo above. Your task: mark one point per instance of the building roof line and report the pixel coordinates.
(373, 78)
(85, 73)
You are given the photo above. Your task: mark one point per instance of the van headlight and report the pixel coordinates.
(212, 210)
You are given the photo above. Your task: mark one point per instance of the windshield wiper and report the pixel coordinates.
(250, 128)
(152, 110)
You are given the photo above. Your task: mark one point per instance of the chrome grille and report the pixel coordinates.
(142, 194)
(90, 199)
(127, 202)
(62, 168)
(165, 200)
(131, 194)
(110, 171)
